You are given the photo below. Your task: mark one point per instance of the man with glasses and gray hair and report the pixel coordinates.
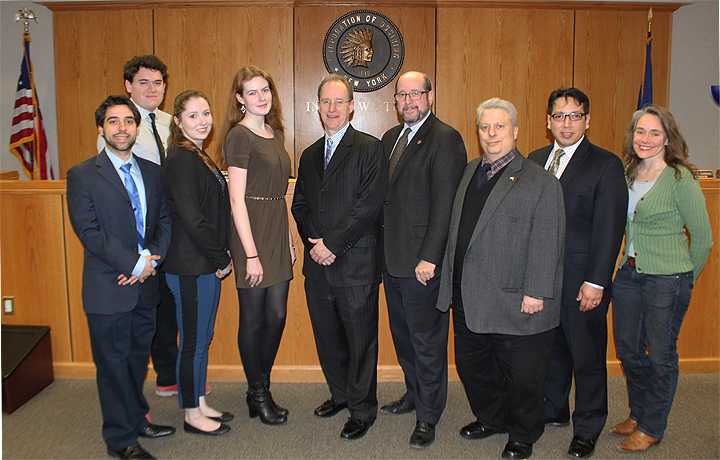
(425, 161)
(337, 203)
(502, 274)
(596, 197)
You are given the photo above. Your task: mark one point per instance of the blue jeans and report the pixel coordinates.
(196, 302)
(648, 311)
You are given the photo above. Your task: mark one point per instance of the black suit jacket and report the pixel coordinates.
(596, 201)
(342, 205)
(419, 196)
(102, 217)
(200, 211)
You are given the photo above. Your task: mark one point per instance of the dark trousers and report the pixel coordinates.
(648, 311)
(579, 349)
(164, 349)
(196, 300)
(345, 324)
(120, 346)
(420, 335)
(503, 377)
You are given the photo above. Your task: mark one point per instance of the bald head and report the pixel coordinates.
(415, 77)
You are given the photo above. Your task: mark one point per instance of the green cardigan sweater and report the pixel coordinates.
(656, 228)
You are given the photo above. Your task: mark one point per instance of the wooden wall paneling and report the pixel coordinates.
(33, 260)
(374, 111)
(204, 48)
(609, 65)
(90, 50)
(516, 54)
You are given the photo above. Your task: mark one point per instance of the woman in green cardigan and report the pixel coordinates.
(652, 289)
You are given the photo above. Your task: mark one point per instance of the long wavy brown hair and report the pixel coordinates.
(234, 115)
(177, 138)
(676, 149)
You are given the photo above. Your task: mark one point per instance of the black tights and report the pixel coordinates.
(262, 320)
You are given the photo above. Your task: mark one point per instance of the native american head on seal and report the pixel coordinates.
(357, 50)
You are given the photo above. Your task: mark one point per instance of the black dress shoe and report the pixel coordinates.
(423, 435)
(476, 430)
(153, 431)
(329, 408)
(581, 448)
(557, 422)
(135, 451)
(517, 449)
(223, 418)
(401, 406)
(355, 429)
(222, 429)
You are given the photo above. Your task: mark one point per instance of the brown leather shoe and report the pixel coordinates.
(638, 442)
(624, 428)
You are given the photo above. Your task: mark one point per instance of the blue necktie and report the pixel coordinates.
(328, 152)
(135, 200)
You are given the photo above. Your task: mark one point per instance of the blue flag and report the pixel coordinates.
(645, 96)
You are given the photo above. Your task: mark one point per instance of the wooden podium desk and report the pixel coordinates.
(41, 264)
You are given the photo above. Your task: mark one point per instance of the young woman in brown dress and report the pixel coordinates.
(260, 243)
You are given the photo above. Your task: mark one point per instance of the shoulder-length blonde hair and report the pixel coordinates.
(234, 115)
(676, 149)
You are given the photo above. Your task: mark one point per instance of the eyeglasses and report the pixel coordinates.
(337, 102)
(561, 116)
(413, 95)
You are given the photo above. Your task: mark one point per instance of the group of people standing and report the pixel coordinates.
(521, 250)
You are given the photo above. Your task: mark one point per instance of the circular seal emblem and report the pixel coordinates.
(366, 47)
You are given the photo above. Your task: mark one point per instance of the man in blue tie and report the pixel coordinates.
(337, 204)
(118, 211)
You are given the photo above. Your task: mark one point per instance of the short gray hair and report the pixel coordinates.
(497, 103)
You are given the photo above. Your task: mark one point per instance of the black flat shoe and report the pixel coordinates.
(153, 431)
(517, 450)
(581, 448)
(223, 418)
(329, 408)
(135, 451)
(222, 429)
(423, 435)
(399, 407)
(476, 430)
(355, 429)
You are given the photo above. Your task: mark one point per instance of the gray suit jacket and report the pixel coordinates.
(516, 249)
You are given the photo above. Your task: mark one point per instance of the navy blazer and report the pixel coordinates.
(102, 216)
(596, 200)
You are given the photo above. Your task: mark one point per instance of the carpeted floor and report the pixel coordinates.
(63, 422)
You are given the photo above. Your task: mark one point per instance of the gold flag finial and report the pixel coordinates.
(650, 17)
(26, 15)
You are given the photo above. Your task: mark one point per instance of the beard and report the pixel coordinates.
(115, 146)
(410, 119)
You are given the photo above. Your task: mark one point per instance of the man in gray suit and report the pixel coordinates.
(502, 273)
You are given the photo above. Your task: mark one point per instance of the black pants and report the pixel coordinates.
(420, 335)
(345, 324)
(579, 349)
(120, 346)
(262, 321)
(164, 346)
(503, 377)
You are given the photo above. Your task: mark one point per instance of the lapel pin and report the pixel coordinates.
(513, 179)
(419, 142)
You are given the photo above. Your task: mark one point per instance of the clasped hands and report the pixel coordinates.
(320, 253)
(148, 270)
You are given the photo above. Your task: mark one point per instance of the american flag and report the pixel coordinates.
(27, 134)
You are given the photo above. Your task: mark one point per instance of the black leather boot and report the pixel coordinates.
(279, 409)
(260, 405)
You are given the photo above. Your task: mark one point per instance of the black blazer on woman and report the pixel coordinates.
(200, 211)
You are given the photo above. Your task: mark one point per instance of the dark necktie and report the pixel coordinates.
(555, 163)
(158, 141)
(481, 178)
(398, 151)
(328, 153)
(135, 201)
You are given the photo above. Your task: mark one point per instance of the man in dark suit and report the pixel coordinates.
(502, 273)
(118, 211)
(337, 203)
(596, 199)
(426, 158)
